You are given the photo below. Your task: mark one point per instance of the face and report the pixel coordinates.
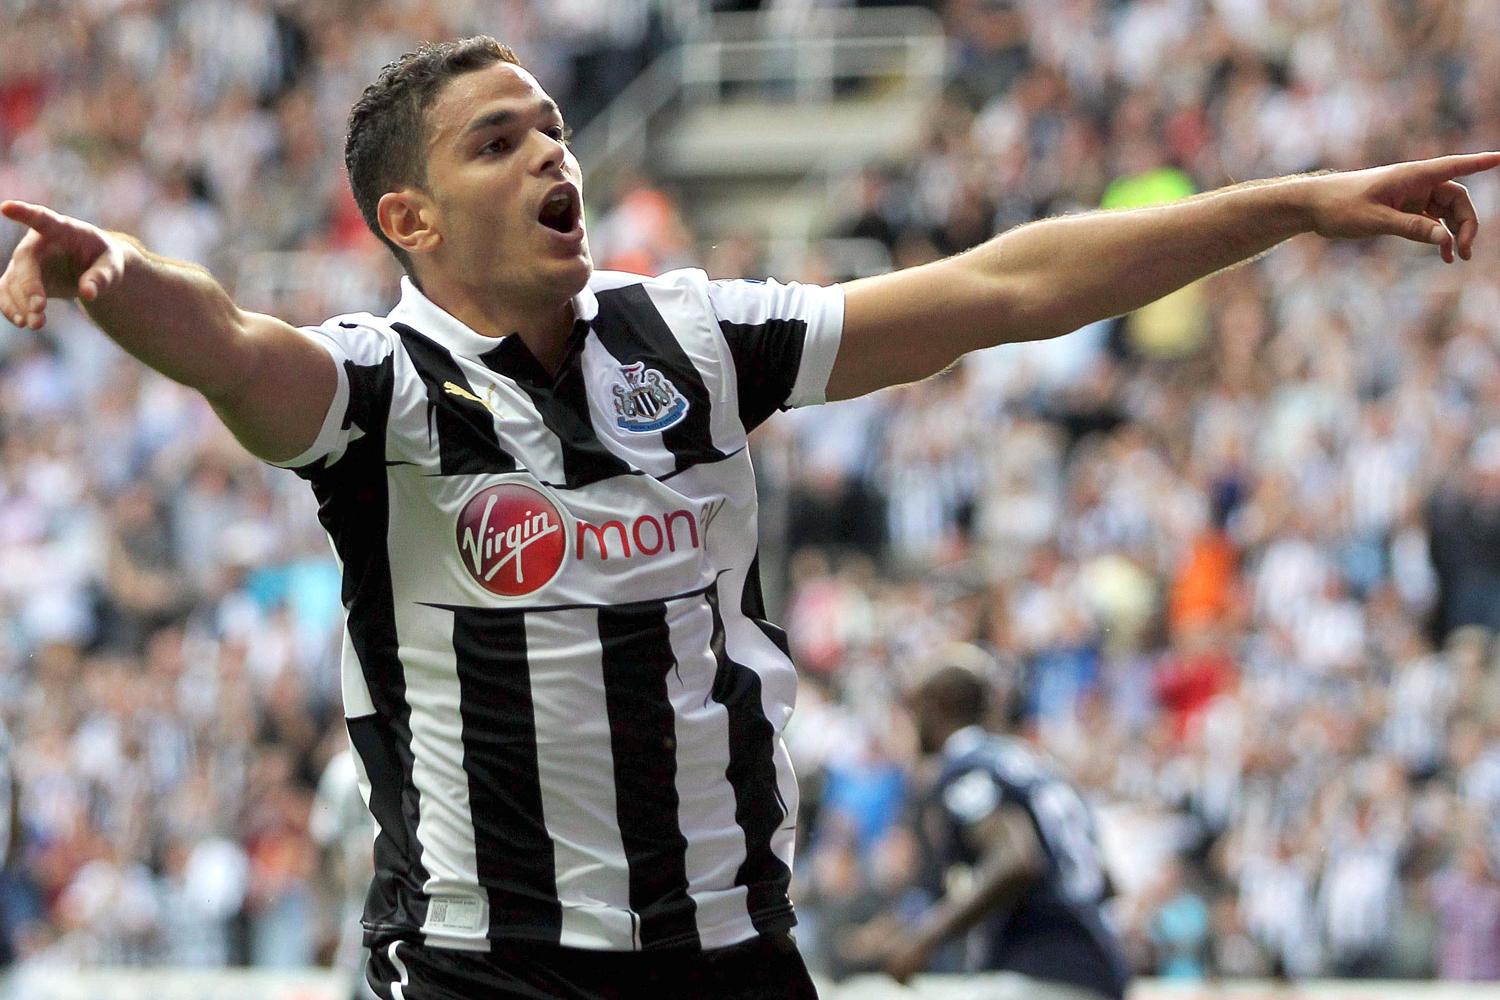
(503, 205)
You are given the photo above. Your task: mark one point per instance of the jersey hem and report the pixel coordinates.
(766, 921)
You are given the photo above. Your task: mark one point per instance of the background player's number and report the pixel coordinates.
(1065, 823)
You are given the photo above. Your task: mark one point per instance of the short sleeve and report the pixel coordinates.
(783, 339)
(352, 346)
(972, 797)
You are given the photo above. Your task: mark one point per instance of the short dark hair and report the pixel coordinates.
(956, 693)
(384, 147)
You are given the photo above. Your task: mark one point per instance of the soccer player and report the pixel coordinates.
(563, 697)
(1005, 814)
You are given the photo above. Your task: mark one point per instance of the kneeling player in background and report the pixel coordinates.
(1038, 882)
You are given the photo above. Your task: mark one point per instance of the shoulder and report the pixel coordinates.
(676, 305)
(363, 338)
(369, 323)
(682, 279)
(970, 789)
(1009, 762)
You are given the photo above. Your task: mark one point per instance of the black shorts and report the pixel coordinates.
(763, 968)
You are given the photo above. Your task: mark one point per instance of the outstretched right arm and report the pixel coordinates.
(270, 384)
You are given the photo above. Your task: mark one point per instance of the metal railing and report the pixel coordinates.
(805, 58)
(809, 60)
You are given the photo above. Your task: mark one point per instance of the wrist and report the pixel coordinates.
(1298, 200)
(1295, 202)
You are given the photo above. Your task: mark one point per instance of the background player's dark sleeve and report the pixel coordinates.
(783, 340)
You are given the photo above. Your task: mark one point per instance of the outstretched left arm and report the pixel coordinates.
(1048, 278)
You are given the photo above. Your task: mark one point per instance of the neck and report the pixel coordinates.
(938, 732)
(544, 327)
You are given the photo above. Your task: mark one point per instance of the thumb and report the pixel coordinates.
(1411, 226)
(101, 274)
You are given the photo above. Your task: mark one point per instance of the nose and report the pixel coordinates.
(551, 155)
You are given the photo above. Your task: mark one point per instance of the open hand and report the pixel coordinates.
(1420, 201)
(60, 258)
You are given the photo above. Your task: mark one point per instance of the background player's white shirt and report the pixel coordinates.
(564, 700)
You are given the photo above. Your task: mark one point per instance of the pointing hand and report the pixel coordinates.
(59, 258)
(1420, 201)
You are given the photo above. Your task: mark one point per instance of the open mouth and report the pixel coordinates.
(561, 211)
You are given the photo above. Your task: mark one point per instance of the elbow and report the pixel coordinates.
(1025, 862)
(1023, 307)
(1024, 855)
(1033, 867)
(1020, 295)
(1044, 311)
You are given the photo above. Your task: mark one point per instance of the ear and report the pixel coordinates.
(409, 219)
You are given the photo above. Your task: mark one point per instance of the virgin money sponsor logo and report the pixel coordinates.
(511, 539)
(650, 536)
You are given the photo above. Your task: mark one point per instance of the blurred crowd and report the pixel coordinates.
(1235, 558)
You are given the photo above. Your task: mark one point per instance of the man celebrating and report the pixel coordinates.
(563, 697)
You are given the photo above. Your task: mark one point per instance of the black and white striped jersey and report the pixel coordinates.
(564, 699)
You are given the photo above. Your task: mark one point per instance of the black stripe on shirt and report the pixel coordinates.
(758, 806)
(632, 329)
(564, 406)
(513, 851)
(467, 441)
(642, 726)
(354, 507)
(395, 898)
(767, 357)
(753, 607)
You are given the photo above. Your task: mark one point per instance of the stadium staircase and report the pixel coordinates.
(710, 119)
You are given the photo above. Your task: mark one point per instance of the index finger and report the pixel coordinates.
(38, 217)
(1445, 168)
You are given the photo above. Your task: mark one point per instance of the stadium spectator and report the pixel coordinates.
(1467, 898)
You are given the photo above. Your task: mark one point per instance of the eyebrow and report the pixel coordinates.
(505, 116)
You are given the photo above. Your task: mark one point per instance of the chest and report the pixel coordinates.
(608, 411)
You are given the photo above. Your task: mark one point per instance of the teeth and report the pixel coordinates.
(558, 211)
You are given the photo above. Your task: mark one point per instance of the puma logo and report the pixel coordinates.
(454, 389)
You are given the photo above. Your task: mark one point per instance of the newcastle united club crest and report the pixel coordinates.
(647, 400)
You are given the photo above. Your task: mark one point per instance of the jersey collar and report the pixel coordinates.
(422, 314)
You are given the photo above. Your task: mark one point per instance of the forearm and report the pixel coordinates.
(1067, 272)
(1047, 278)
(996, 890)
(175, 317)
